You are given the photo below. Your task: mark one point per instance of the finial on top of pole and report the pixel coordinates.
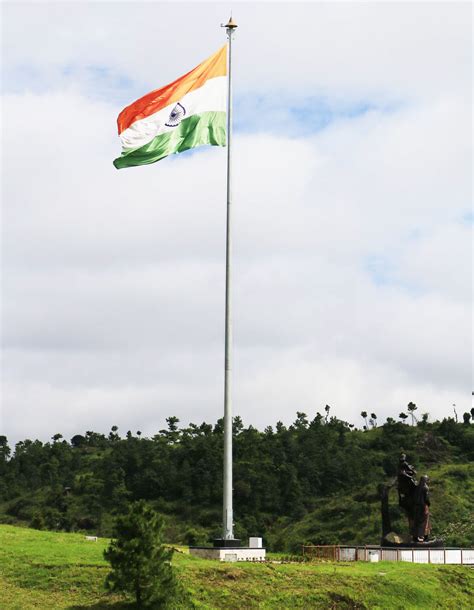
(231, 25)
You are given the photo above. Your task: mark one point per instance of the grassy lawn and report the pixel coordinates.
(51, 570)
(330, 585)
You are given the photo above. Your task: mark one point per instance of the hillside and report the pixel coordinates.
(315, 480)
(355, 517)
(44, 570)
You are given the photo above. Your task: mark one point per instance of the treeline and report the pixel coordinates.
(82, 484)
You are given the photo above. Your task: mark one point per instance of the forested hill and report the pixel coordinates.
(315, 480)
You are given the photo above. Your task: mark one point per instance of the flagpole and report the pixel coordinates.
(228, 518)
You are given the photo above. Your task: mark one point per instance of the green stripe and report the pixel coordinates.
(196, 130)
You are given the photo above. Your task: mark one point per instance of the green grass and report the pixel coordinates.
(50, 570)
(53, 570)
(353, 585)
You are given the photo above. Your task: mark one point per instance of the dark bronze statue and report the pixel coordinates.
(421, 511)
(406, 483)
(414, 499)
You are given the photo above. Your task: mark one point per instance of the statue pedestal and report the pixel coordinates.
(394, 541)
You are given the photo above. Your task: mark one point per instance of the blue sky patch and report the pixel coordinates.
(468, 218)
(380, 269)
(277, 112)
(272, 112)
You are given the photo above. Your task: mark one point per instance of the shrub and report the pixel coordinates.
(141, 564)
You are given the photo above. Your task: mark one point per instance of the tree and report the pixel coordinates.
(141, 565)
(364, 415)
(237, 425)
(403, 416)
(113, 436)
(78, 440)
(373, 420)
(172, 434)
(301, 421)
(4, 449)
(4, 456)
(411, 407)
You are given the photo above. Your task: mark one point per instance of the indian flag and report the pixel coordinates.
(189, 112)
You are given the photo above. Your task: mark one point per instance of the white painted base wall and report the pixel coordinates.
(222, 554)
(456, 556)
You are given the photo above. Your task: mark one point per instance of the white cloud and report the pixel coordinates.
(351, 256)
(358, 49)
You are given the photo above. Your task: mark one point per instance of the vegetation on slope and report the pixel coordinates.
(355, 517)
(315, 480)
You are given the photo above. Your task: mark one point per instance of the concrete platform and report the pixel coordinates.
(228, 553)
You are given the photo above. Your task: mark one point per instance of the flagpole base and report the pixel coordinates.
(242, 553)
(231, 543)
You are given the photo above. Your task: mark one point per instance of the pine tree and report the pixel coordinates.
(364, 415)
(141, 565)
(411, 409)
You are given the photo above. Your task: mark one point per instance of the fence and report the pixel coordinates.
(376, 553)
(333, 553)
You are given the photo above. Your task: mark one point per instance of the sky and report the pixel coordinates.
(352, 279)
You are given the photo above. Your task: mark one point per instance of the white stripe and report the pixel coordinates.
(211, 97)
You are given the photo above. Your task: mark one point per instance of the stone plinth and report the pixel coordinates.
(228, 553)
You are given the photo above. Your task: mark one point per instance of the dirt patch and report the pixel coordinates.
(235, 574)
(339, 600)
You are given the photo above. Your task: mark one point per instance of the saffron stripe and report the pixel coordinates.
(213, 66)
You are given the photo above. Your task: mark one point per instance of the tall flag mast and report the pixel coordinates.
(186, 113)
(228, 520)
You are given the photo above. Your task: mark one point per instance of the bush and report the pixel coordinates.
(37, 522)
(194, 536)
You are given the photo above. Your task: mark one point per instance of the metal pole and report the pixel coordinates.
(228, 518)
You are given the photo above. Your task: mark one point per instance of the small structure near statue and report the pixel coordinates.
(414, 499)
